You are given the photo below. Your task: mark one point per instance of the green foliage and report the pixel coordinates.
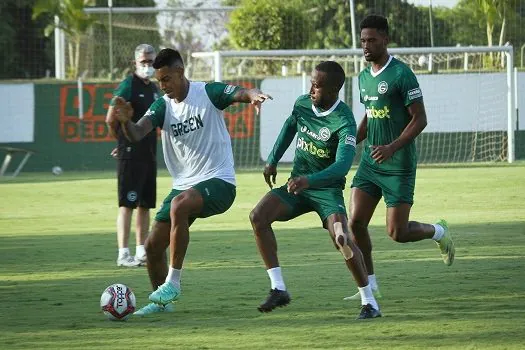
(330, 24)
(27, 52)
(72, 20)
(129, 30)
(272, 24)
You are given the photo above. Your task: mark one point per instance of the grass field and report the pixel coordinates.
(58, 250)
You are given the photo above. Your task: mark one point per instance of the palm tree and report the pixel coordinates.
(72, 20)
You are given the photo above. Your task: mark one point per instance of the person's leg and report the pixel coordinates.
(401, 230)
(123, 227)
(363, 202)
(337, 227)
(141, 232)
(156, 244)
(207, 198)
(362, 209)
(146, 199)
(276, 205)
(399, 193)
(127, 197)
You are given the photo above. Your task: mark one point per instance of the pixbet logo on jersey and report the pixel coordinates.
(312, 149)
(379, 113)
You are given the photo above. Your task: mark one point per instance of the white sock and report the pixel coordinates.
(276, 278)
(122, 252)
(372, 281)
(174, 277)
(140, 251)
(367, 297)
(439, 231)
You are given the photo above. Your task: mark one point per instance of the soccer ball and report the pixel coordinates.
(117, 302)
(56, 170)
(422, 60)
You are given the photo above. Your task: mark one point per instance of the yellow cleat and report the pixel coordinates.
(446, 245)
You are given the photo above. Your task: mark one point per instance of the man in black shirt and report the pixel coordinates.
(137, 168)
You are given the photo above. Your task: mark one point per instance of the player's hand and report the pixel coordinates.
(270, 173)
(123, 109)
(297, 184)
(257, 97)
(381, 153)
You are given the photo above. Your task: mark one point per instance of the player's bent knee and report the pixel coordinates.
(258, 219)
(358, 228)
(341, 240)
(179, 207)
(398, 235)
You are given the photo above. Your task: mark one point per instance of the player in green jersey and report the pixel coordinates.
(326, 136)
(395, 116)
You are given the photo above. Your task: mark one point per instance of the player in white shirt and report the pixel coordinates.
(198, 154)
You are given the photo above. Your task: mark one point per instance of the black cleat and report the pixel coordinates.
(277, 298)
(367, 311)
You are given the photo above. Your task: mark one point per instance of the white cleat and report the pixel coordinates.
(141, 260)
(127, 261)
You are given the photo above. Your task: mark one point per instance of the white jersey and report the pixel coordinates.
(195, 141)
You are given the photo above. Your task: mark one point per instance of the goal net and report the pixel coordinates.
(468, 95)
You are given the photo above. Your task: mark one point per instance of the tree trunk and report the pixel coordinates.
(77, 56)
(490, 31)
(70, 72)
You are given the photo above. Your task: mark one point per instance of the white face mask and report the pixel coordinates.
(145, 72)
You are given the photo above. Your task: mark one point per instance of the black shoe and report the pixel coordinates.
(367, 311)
(277, 298)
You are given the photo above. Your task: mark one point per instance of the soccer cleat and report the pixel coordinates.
(446, 245)
(141, 260)
(152, 308)
(277, 298)
(165, 294)
(357, 296)
(127, 261)
(368, 311)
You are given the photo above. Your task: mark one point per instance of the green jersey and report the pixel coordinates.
(386, 95)
(325, 144)
(141, 95)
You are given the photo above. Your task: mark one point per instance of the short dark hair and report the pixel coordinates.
(335, 73)
(168, 57)
(378, 22)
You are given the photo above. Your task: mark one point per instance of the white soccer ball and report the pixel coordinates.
(56, 170)
(118, 302)
(422, 60)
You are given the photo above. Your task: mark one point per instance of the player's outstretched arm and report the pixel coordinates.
(254, 96)
(123, 113)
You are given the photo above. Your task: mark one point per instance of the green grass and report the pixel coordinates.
(58, 250)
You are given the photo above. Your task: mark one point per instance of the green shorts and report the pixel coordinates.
(396, 189)
(218, 196)
(324, 201)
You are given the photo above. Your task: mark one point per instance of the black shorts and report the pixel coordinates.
(137, 183)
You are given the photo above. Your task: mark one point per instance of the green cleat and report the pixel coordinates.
(446, 245)
(165, 294)
(357, 296)
(152, 308)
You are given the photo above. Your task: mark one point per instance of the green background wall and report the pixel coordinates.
(61, 139)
